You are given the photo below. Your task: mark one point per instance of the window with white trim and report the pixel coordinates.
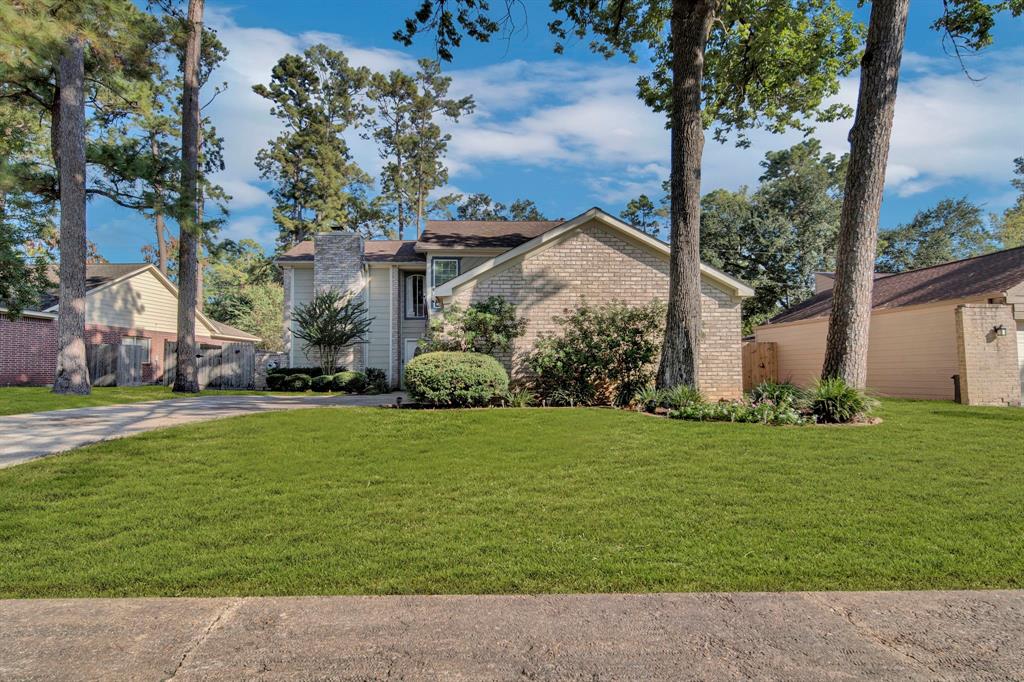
(140, 341)
(443, 270)
(415, 296)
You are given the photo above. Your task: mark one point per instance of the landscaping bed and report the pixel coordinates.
(370, 501)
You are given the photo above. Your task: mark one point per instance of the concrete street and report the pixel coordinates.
(27, 436)
(728, 636)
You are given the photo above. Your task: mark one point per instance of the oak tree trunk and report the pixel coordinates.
(846, 352)
(691, 26)
(72, 374)
(186, 377)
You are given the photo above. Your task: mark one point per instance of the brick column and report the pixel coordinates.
(989, 373)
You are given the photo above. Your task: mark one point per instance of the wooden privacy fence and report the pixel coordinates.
(760, 363)
(114, 364)
(232, 365)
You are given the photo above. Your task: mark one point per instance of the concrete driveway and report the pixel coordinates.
(728, 636)
(27, 436)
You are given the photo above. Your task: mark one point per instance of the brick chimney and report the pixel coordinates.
(338, 264)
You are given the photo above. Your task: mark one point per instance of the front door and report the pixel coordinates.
(408, 352)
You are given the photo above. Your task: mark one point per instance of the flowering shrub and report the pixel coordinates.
(486, 327)
(603, 356)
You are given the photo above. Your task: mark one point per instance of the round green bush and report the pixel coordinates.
(296, 382)
(322, 383)
(275, 381)
(455, 379)
(349, 382)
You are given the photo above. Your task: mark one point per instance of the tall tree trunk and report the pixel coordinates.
(158, 215)
(72, 370)
(691, 26)
(846, 352)
(186, 377)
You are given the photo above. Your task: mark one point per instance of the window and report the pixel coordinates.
(443, 270)
(141, 342)
(415, 296)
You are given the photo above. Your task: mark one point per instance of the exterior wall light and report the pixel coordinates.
(1000, 330)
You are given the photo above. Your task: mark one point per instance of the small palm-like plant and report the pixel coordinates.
(680, 396)
(833, 401)
(519, 398)
(647, 399)
(329, 323)
(776, 392)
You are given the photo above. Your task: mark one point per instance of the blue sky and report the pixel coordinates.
(568, 132)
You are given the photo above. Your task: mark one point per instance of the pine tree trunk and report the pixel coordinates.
(72, 370)
(691, 26)
(846, 352)
(158, 215)
(186, 377)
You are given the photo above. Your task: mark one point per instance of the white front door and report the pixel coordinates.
(408, 351)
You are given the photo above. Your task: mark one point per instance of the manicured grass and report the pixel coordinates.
(370, 501)
(22, 399)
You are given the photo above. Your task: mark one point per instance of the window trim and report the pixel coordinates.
(440, 259)
(407, 296)
(135, 342)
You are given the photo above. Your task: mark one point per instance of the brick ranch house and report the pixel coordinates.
(125, 304)
(962, 318)
(546, 268)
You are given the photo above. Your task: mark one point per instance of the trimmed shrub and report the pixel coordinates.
(349, 382)
(604, 355)
(296, 382)
(322, 383)
(275, 381)
(376, 380)
(309, 371)
(833, 401)
(776, 392)
(455, 379)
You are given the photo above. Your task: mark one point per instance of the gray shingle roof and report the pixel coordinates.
(990, 273)
(482, 234)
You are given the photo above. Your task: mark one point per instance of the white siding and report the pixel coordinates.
(379, 308)
(303, 293)
(1020, 352)
(912, 352)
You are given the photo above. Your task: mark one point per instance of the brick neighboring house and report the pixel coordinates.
(545, 267)
(962, 318)
(125, 303)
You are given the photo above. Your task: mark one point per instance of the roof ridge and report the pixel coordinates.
(954, 262)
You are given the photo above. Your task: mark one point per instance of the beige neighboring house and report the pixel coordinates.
(126, 305)
(964, 318)
(545, 267)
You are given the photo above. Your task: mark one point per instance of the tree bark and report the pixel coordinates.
(186, 377)
(72, 374)
(846, 352)
(158, 215)
(691, 26)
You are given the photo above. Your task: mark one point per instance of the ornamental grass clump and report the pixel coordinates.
(455, 379)
(833, 401)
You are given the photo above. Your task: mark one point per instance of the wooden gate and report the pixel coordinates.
(232, 365)
(129, 365)
(102, 361)
(760, 363)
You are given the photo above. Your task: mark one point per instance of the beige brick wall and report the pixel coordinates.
(595, 265)
(989, 370)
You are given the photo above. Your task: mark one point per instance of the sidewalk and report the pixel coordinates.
(873, 635)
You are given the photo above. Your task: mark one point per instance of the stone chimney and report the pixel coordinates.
(338, 264)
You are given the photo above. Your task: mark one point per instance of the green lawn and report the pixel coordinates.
(370, 501)
(21, 399)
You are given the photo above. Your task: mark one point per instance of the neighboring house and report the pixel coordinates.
(546, 268)
(126, 304)
(962, 318)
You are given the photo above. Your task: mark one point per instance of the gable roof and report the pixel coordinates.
(96, 275)
(102, 275)
(735, 286)
(992, 273)
(303, 251)
(481, 234)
